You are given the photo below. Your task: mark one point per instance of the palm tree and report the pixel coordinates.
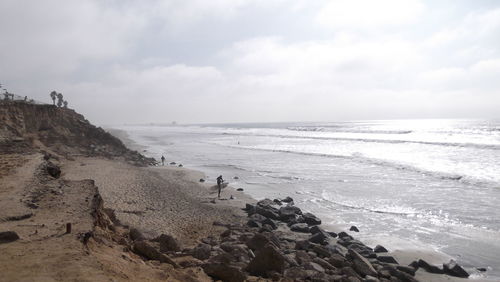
(53, 95)
(59, 99)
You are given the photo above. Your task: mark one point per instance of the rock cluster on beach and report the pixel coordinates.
(282, 243)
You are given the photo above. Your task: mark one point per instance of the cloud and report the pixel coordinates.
(368, 14)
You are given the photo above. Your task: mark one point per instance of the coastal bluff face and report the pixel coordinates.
(25, 127)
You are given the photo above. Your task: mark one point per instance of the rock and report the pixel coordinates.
(249, 208)
(320, 250)
(257, 242)
(287, 200)
(144, 249)
(394, 272)
(168, 243)
(302, 257)
(135, 234)
(380, 249)
(453, 269)
(481, 269)
(315, 229)
(333, 234)
(257, 217)
(361, 264)
(408, 269)
(236, 177)
(302, 245)
(202, 180)
(387, 259)
(344, 235)
(266, 228)
(337, 260)
(319, 238)
(323, 263)
(354, 228)
(239, 189)
(289, 213)
(267, 211)
(314, 266)
(300, 227)
(173, 163)
(265, 203)
(53, 170)
(270, 222)
(8, 236)
(226, 233)
(267, 259)
(311, 219)
(429, 268)
(297, 274)
(253, 223)
(202, 251)
(278, 202)
(224, 272)
(369, 278)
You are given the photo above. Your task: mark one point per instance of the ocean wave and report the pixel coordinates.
(374, 140)
(346, 130)
(465, 179)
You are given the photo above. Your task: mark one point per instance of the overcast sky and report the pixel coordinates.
(263, 60)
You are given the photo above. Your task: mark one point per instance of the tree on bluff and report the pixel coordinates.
(59, 99)
(53, 95)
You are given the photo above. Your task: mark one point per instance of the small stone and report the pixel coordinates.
(202, 180)
(202, 251)
(287, 200)
(239, 189)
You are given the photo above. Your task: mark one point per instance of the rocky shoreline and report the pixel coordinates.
(281, 243)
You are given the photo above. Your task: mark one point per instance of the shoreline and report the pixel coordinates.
(403, 255)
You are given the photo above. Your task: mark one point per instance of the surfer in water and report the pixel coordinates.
(219, 184)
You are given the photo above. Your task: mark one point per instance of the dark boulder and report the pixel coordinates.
(135, 234)
(266, 260)
(300, 227)
(257, 217)
(253, 223)
(311, 219)
(53, 170)
(289, 213)
(354, 228)
(408, 269)
(149, 252)
(429, 268)
(8, 236)
(302, 245)
(239, 189)
(224, 272)
(380, 249)
(287, 200)
(202, 251)
(361, 264)
(453, 269)
(257, 242)
(320, 238)
(168, 244)
(278, 202)
(344, 235)
(267, 211)
(270, 222)
(387, 259)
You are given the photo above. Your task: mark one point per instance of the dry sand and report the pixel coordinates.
(158, 200)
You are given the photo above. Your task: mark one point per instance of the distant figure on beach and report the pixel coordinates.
(219, 184)
(162, 160)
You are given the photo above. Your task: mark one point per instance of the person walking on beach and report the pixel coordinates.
(219, 184)
(162, 160)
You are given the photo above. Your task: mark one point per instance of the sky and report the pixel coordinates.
(198, 61)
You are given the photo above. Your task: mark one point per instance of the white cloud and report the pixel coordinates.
(368, 13)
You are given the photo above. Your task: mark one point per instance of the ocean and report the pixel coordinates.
(407, 183)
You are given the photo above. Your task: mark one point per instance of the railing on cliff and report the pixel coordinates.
(5, 97)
